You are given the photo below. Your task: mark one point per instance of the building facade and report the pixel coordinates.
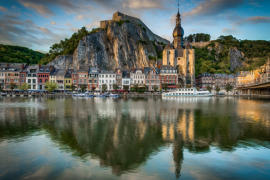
(118, 73)
(152, 78)
(108, 78)
(93, 76)
(168, 75)
(137, 77)
(126, 79)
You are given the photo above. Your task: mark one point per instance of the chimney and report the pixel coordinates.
(39, 66)
(22, 66)
(99, 69)
(65, 72)
(7, 65)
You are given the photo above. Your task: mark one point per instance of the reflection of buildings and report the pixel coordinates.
(123, 134)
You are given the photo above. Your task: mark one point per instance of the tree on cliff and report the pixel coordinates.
(67, 46)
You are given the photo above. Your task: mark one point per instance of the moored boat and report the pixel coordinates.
(187, 92)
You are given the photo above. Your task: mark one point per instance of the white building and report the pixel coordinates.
(137, 77)
(108, 78)
(31, 77)
(126, 79)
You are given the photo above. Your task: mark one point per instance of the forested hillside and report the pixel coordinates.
(18, 54)
(215, 57)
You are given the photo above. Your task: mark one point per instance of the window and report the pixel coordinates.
(46, 80)
(16, 80)
(84, 80)
(34, 81)
(152, 77)
(106, 76)
(29, 81)
(106, 81)
(53, 80)
(80, 80)
(74, 81)
(102, 81)
(23, 75)
(23, 80)
(134, 81)
(110, 81)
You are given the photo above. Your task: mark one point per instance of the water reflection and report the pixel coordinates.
(124, 133)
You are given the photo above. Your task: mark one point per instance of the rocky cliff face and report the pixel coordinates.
(125, 45)
(235, 56)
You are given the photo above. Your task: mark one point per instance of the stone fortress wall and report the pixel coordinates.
(120, 16)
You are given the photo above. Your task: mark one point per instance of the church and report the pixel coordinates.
(181, 57)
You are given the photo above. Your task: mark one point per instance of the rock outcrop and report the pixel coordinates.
(117, 45)
(235, 58)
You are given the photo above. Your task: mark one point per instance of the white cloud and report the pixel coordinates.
(94, 24)
(43, 10)
(3, 9)
(79, 17)
(53, 23)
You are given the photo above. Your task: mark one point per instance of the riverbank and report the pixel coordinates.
(130, 95)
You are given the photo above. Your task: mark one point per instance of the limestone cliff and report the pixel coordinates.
(234, 54)
(123, 44)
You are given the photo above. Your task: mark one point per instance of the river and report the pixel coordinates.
(136, 138)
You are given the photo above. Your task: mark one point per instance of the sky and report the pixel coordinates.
(38, 24)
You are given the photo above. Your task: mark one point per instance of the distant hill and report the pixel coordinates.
(18, 54)
(230, 55)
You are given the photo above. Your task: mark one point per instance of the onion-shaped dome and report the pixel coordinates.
(178, 32)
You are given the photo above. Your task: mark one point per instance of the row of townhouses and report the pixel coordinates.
(240, 79)
(37, 75)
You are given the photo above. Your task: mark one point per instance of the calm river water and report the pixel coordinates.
(144, 138)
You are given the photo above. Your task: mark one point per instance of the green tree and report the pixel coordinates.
(165, 86)
(12, 86)
(73, 87)
(228, 87)
(209, 88)
(145, 88)
(83, 88)
(24, 87)
(217, 89)
(104, 87)
(136, 87)
(1, 87)
(155, 88)
(126, 88)
(115, 87)
(51, 86)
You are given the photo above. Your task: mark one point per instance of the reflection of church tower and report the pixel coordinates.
(179, 56)
(178, 155)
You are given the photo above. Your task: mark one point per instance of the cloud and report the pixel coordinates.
(68, 24)
(15, 31)
(93, 25)
(142, 4)
(43, 10)
(253, 20)
(28, 14)
(213, 7)
(79, 17)
(229, 31)
(53, 23)
(3, 9)
(74, 29)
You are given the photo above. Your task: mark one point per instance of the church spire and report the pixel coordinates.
(178, 19)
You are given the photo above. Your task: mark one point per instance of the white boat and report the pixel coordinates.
(99, 95)
(83, 95)
(187, 92)
(113, 95)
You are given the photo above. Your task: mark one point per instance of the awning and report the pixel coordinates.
(35, 90)
(172, 87)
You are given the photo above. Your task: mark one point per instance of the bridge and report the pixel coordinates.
(255, 89)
